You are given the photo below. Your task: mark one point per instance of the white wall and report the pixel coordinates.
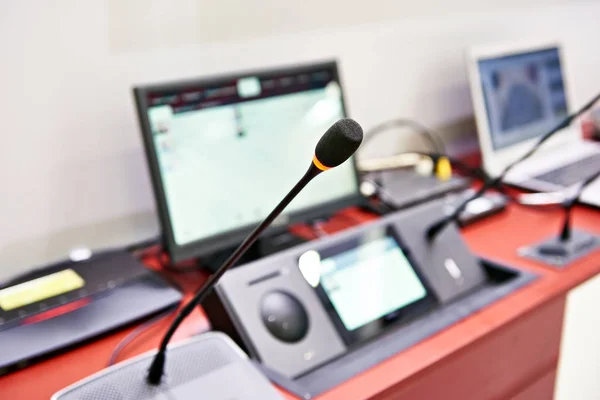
(71, 164)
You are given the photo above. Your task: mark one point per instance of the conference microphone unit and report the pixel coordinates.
(565, 234)
(570, 244)
(203, 366)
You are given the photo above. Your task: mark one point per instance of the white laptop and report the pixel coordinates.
(520, 92)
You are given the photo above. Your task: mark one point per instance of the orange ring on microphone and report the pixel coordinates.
(319, 165)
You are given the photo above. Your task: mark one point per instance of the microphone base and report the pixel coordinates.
(559, 254)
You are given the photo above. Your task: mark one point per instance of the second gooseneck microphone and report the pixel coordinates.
(438, 226)
(565, 232)
(340, 141)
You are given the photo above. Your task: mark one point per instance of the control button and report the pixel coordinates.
(284, 316)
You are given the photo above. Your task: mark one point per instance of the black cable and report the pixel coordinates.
(434, 139)
(146, 325)
(135, 333)
(479, 173)
(436, 227)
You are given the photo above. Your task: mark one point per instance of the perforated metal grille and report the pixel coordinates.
(183, 364)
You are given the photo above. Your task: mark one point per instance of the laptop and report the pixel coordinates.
(520, 92)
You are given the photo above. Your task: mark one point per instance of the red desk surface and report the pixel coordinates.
(510, 348)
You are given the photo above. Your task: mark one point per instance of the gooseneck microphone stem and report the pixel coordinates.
(157, 367)
(565, 233)
(438, 226)
(336, 146)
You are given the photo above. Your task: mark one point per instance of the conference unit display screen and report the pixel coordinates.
(368, 284)
(227, 150)
(524, 95)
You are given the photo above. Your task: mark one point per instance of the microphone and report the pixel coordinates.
(565, 234)
(558, 248)
(340, 141)
(438, 226)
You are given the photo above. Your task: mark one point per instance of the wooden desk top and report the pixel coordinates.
(497, 237)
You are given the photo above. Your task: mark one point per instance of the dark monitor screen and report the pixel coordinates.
(224, 151)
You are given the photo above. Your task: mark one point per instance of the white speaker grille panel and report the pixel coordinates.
(185, 362)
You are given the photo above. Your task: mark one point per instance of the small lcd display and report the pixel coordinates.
(370, 281)
(40, 289)
(367, 283)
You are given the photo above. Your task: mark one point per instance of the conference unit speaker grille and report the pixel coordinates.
(185, 362)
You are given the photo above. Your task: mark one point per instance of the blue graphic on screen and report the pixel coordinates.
(524, 95)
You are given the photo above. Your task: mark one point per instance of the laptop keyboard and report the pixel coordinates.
(570, 174)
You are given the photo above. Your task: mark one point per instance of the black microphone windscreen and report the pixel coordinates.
(339, 143)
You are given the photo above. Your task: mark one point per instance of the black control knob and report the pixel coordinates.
(284, 316)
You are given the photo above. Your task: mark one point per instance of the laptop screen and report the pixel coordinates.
(524, 95)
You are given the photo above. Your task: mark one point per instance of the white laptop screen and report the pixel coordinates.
(524, 95)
